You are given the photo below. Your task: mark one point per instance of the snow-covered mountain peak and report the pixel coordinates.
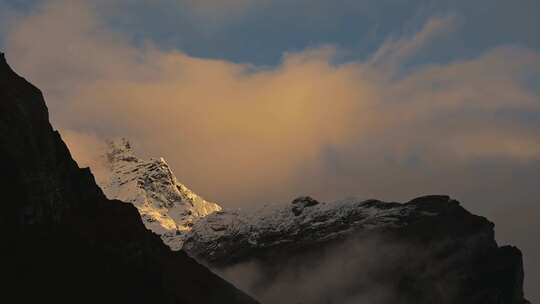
(167, 207)
(186, 221)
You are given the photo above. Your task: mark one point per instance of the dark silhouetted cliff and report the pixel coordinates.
(62, 240)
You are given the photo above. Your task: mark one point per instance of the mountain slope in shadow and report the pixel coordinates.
(62, 240)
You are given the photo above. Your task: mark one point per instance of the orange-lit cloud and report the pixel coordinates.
(239, 133)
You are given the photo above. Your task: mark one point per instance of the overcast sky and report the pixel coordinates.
(260, 101)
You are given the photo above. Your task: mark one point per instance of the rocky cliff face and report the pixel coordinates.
(62, 240)
(428, 250)
(166, 206)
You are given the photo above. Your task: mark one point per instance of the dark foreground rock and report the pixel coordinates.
(62, 240)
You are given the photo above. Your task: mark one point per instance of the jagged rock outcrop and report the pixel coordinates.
(428, 250)
(167, 207)
(63, 240)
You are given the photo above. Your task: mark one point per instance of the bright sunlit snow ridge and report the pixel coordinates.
(167, 207)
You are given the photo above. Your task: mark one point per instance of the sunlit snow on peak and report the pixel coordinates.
(167, 207)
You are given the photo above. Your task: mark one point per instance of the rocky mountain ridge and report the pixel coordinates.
(63, 241)
(166, 206)
(427, 250)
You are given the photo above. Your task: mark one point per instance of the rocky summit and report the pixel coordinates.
(427, 250)
(166, 206)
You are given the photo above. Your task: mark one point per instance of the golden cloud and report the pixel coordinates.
(238, 133)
